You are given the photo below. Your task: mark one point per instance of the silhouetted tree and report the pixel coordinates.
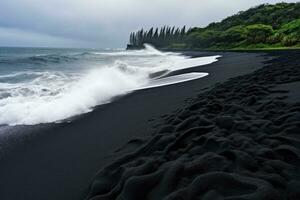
(162, 37)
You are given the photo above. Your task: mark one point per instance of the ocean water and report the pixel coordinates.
(39, 85)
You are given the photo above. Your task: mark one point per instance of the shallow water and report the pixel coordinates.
(49, 85)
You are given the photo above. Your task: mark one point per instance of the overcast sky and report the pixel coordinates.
(103, 23)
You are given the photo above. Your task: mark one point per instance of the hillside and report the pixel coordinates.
(263, 26)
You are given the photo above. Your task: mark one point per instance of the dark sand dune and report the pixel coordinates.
(239, 140)
(219, 137)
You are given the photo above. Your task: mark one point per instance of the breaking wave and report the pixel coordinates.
(33, 97)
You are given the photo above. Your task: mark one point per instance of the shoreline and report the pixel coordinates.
(238, 140)
(241, 50)
(60, 160)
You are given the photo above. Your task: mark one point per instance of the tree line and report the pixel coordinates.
(263, 26)
(162, 37)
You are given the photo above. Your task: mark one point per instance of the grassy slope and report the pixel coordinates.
(267, 27)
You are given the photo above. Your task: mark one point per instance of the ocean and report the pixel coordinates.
(43, 85)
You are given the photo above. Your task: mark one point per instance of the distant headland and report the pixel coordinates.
(262, 27)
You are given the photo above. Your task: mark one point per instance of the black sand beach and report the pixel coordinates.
(231, 135)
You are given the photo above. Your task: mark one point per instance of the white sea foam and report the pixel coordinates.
(173, 80)
(51, 96)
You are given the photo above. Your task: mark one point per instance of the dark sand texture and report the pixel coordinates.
(59, 161)
(239, 140)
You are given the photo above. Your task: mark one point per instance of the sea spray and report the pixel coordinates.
(71, 83)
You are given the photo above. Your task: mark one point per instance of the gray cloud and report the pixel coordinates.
(103, 23)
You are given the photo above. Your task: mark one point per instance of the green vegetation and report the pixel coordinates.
(265, 26)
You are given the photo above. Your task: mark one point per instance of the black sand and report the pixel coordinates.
(237, 140)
